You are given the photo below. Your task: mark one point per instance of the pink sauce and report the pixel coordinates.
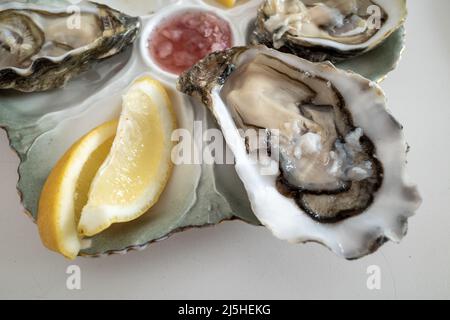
(184, 39)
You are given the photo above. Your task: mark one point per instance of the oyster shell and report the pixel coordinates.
(334, 30)
(338, 154)
(43, 47)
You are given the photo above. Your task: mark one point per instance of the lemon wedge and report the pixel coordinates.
(66, 190)
(137, 169)
(228, 3)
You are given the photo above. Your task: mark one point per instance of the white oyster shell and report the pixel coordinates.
(289, 25)
(395, 201)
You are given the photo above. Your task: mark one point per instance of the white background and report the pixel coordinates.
(234, 260)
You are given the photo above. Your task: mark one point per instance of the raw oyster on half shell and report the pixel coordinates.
(339, 155)
(43, 47)
(334, 30)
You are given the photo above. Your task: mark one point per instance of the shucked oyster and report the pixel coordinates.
(333, 30)
(339, 156)
(41, 48)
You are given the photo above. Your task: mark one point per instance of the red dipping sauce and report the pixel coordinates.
(184, 39)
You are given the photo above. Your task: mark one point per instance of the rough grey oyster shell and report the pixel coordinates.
(351, 193)
(288, 26)
(44, 46)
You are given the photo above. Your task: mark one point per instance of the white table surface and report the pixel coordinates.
(234, 260)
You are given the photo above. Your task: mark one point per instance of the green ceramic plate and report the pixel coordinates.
(42, 126)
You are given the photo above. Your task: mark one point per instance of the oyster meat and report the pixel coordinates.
(334, 30)
(328, 164)
(43, 47)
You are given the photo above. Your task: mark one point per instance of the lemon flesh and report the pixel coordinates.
(65, 190)
(227, 3)
(136, 171)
